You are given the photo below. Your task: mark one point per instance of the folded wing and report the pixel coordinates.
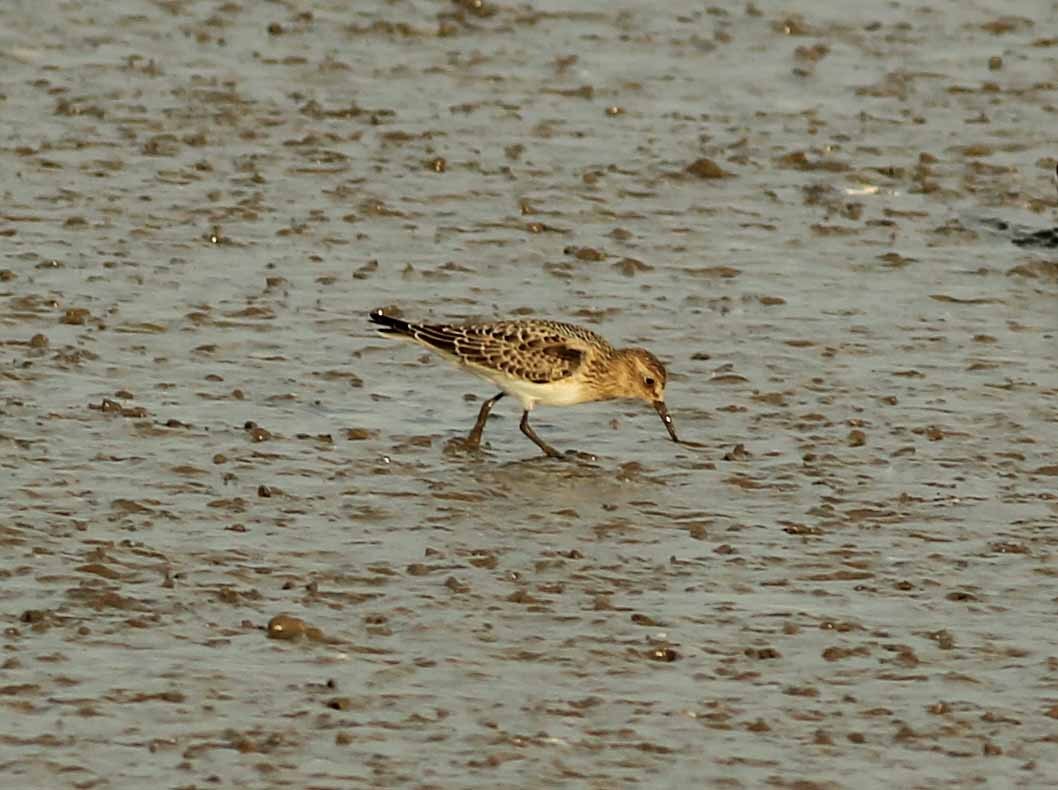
(538, 351)
(538, 356)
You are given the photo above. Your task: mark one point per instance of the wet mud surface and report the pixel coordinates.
(239, 548)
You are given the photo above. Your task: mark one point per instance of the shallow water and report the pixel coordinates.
(850, 584)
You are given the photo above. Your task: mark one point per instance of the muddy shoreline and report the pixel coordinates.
(809, 213)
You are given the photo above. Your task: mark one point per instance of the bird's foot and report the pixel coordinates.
(458, 444)
(577, 455)
(572, 456)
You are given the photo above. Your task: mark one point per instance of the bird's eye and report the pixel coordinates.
(649, 381)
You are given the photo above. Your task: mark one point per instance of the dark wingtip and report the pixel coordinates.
(387, 323)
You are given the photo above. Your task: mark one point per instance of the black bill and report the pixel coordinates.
(663, 413)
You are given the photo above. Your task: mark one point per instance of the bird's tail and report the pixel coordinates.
(438, 337)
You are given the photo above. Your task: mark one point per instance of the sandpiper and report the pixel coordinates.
(544, 362)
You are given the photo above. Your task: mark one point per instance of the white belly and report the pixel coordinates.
(559, 393)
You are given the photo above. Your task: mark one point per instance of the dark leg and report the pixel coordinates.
(547, 448)
(473, 441)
